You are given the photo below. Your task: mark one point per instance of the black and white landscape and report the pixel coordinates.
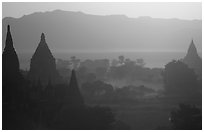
(66, 70)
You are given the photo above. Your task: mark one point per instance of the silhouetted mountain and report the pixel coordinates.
(10, 63)
(193, 60)
(76, 31)
(42, 66)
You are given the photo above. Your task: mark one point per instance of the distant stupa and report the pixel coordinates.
(42, 66)
(193, 60)
(10, 62)
(74, 95)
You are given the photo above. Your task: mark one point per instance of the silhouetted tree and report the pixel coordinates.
(121, 59)
(63, 64)
(122, 71)
(180, 80)
(101, 73)
(114, 63)
(140, 62)
(75, 62)
(82, 73)
(85, 118)
(101, 118)
(96, 88)
(186, 117)
(90, 77)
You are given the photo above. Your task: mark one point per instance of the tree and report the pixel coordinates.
(140, 62)
(100, 72)
(96, 88)
(186, 117)
(75, 62)
(121, 59)
(114, 63)
(180, 80)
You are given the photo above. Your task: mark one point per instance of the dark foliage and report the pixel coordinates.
(186, 117)
(102, 93)
(54, 107)
(96, 88)
(181, 81)
(133, 70)
(47, 105)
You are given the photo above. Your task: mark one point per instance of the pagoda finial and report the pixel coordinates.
(8, 28)
(192, 41)
(9, 41)
(42, 37)
(192, 45)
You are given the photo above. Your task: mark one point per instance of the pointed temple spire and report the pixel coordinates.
(10, 62)
(42, 37)
(43, 47)
(9, 40)
(193, 60)
(43, 41)
(73, 80)
(192, 51)
(74, 89)
(43, 64)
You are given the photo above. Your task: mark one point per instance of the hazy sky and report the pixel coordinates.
(185, 10)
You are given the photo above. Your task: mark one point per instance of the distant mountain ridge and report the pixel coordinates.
(76, 31)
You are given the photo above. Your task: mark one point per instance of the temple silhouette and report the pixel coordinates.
(73, 88)
(40, 99)
(25, 99)
(42, 65)
(193, 60)
(10, 62)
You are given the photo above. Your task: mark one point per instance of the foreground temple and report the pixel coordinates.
(10, 62)
(42, 65)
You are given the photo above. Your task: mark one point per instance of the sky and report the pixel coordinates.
(179, 10)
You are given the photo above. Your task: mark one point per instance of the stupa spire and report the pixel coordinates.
(193, 60)
(42, 38)
(10, 62)
(9, 40)
(73, 80)
(42, 64)
(192, 51)
(74, 89)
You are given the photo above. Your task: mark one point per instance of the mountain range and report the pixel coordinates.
(68, 31)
